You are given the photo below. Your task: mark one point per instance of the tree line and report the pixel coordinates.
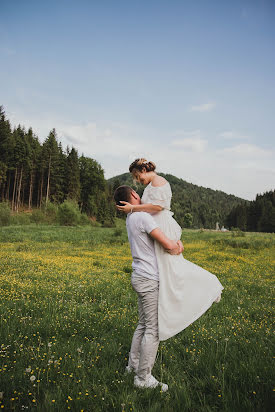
(257, 216)
(33, 174)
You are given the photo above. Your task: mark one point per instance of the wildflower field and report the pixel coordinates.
(68, 314)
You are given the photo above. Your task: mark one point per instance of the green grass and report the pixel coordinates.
(68, 313)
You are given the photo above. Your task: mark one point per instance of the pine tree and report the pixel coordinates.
(61, 176)
(188, 219)
(73, 175)
(93, 186)
(52, 157)
(5, 136)
(21, 157)
(35, 149)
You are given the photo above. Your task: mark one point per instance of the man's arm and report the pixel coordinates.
(172, 247)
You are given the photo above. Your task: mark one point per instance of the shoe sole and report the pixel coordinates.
(152, 387)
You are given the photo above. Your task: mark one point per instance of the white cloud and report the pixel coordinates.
(207, 107)
(246, 150)
(190, 143)
(232, 135)
(232, 174)
(98, 140)
(187, 133)
(189, 140)
(79, 134)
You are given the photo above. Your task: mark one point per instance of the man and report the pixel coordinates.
(142, 231)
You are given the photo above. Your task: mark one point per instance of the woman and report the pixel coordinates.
(186, 290)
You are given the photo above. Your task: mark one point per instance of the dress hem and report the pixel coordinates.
(205, 308)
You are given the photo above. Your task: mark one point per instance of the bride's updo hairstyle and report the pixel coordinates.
(141, 164)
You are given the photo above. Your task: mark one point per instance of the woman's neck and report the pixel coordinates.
(151, 176)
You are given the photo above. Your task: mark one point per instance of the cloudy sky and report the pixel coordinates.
(187, 84)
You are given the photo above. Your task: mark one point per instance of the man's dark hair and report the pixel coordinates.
(122, 193)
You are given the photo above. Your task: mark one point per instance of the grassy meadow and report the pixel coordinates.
(68, 313)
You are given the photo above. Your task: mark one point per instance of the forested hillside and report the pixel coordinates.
(258, 216)
(32, 174)
(193, 206)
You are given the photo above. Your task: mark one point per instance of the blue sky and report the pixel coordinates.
(187, 84)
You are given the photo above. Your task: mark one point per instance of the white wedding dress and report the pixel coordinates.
(186, 290)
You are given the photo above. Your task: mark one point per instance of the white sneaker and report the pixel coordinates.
(151, 382)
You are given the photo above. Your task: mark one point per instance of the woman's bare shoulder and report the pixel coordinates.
(158, 181)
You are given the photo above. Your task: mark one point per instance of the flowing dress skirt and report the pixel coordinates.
(186, 290)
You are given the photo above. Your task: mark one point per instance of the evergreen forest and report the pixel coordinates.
(257, 216)
(33, 174)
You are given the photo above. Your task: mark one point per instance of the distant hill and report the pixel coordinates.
(207, 206)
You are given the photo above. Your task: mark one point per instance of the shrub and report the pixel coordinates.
(187, 220)
(5, 214)
(108, 223)
(50, 211)
(38, 216)
(20, 219)
(84, 220)
(117, 232)
(94, 223)
(68, 213)
(236, 232)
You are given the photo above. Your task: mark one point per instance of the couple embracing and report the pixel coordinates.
(172, 291)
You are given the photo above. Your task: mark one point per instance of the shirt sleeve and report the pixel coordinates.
(147, 223)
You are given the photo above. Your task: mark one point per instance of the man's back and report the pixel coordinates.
(139, 225)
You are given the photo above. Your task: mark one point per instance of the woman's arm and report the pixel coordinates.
(147, 207)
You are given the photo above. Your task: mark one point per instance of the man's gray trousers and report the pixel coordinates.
(145, 340)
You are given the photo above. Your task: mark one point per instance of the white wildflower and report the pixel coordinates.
(32, 378)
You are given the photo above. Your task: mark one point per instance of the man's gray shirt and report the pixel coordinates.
(139, 225)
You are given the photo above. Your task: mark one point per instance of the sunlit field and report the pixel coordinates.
(68, 314)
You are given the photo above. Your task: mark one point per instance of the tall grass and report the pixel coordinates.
(68, 313)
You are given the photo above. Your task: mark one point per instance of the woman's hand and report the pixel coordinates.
(126, 209)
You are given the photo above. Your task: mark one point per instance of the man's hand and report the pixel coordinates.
(178, 249)
(126, 209)
(171, 246)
